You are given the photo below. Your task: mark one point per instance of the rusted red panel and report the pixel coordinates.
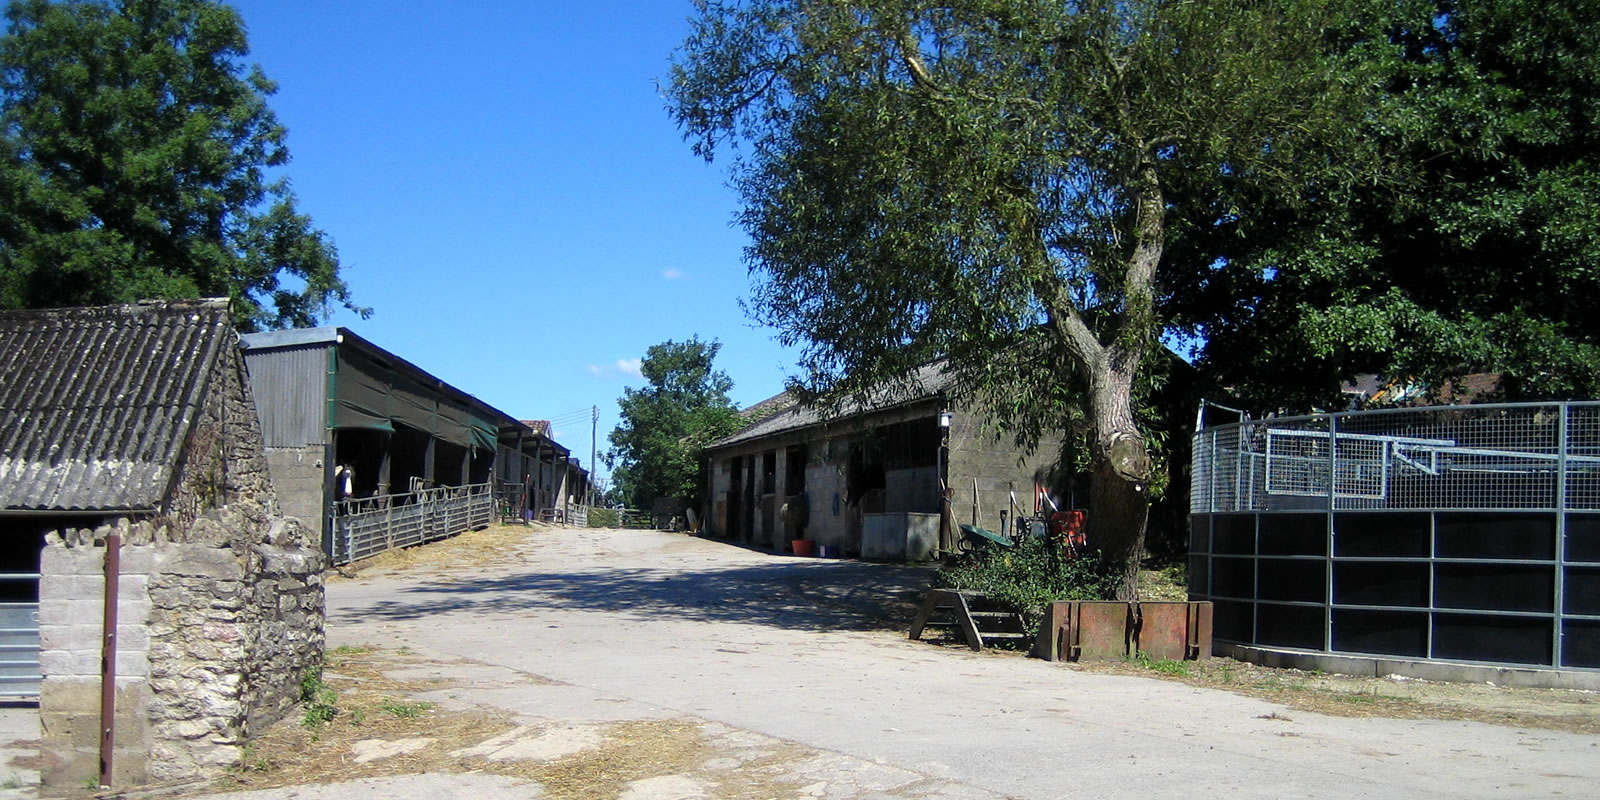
(1102, 630)
(1051, 643)
(1176, 630)
(1165, 632)
(1202, 622)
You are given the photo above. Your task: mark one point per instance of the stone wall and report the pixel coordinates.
(220, 613)
(234, 625)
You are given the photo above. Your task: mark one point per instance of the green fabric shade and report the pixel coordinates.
(370, 394)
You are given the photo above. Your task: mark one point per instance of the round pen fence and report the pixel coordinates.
(1461, 533)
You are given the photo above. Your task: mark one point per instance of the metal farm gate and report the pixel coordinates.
(19, 635)
(367, 526)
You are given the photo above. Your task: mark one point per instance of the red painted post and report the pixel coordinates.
(108, 658)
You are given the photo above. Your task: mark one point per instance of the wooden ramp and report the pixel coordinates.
(978, 618)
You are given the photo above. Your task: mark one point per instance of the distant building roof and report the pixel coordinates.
(1377, 391)
(769, 406)
(538, 426)
(97, 403)
(927, 382)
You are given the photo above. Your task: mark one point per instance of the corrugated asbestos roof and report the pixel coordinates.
(927, 382)
(96, 403)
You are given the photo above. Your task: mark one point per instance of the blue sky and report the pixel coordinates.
(509, 195)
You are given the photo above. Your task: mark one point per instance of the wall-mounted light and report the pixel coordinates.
(944, 418)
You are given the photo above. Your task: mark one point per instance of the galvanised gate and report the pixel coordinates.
(1460, 533)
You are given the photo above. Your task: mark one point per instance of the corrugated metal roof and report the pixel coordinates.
(96, 403)
(929, 381)
(348, 341)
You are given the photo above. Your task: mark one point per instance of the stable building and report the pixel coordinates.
(866, 480)
(131, 458)
(378, 453)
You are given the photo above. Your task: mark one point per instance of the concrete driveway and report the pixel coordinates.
(764, 651)
(790, 690)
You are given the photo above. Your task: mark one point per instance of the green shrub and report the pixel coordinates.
(605, 518)
(1031, 574)
(319, 699)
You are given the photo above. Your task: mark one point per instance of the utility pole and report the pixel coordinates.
(594, 430)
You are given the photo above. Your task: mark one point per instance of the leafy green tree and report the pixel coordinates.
(994, 182)
(665, 425)
(134, 156)
(1476, 253)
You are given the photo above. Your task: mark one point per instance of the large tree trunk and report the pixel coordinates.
(1119, 501)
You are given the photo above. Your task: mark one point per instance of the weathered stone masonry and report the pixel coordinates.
(220, 612)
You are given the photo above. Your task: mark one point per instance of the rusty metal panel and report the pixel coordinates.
(1164, 630)
(1102, 631)
(1200, 628)
(1051, 643)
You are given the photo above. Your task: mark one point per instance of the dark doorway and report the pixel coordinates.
(363, 452)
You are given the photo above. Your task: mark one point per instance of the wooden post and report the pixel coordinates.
(974, 502)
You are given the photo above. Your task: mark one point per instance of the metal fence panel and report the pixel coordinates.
(1583, 457)
(1457, 457)
(1462, 533)
(19, 645)
(368, 526)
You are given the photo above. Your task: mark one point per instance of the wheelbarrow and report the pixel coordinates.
(975, 538)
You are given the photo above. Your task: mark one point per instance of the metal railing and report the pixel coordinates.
(364, 527)
(19, 642)
(622, 518)
(1534, 456)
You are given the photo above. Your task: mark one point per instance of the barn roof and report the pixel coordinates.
(97, 403)
(784, 413)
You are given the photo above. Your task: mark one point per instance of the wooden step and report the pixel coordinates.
(957, 608)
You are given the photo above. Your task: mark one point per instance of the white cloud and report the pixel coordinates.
(674, 274)
(629, 366)
(596, 370)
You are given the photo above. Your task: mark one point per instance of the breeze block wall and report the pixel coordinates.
(979, 454)
(220, 614)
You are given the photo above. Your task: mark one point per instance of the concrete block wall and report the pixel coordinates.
(298, 476)
(721, 482)
(824, 482)
(976, 453)
(71, 603)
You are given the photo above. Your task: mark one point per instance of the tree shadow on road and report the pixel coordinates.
(793, 594)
